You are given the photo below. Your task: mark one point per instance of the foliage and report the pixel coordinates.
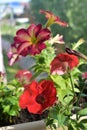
(62, 91)
(72, 11)
(9, 96)
(63, 88)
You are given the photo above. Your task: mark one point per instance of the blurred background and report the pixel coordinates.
(16, 14)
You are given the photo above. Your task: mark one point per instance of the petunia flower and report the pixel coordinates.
(38, 96)
(24, 77)
(13, 55)
(57, 39)
(62, 62)
(28, 41)
(53, 19)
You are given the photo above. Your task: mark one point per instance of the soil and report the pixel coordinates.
(24, 116)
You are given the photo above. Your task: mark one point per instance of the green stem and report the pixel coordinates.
(35, 75)
(71, 83)
(63, 128)
(79, 99)
(80, 94)
(51, 127)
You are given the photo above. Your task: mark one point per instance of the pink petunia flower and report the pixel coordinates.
(53, 19)
(24, 77)
(38, 96)
(57, 39)
(62, 62)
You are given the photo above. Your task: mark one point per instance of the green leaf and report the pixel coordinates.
(70, 127)
(83, 112)
(49, 122)
(59, 81)
(68, 99)
(83, 121)
(12, 113)
(76, 90)
(13, 100)
(85, 104)
(60, 119)
(6, 109)
(81, 126)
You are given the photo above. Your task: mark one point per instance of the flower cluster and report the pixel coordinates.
(59, 91)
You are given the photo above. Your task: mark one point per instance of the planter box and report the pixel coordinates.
(36, 125)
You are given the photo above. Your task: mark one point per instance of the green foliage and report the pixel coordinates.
(83, 112)
(71, 11)
(70, 88)
(9, 96)
(44, 59)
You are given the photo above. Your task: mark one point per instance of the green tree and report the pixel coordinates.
(72, 11)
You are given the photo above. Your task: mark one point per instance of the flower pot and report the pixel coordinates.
(36, 125)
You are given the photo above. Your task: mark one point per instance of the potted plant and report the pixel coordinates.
(10, 113)
(55, 83)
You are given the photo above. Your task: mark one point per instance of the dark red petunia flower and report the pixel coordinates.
(62, 62)
(38, 96)
(28, 41)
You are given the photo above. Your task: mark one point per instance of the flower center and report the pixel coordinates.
(34, 40)
(40, 99)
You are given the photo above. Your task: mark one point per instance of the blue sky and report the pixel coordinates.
(6, 1)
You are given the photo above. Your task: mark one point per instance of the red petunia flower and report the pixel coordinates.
(53, 19)
(38, 96)
(24, 77)
(28, 41)
(62, 62)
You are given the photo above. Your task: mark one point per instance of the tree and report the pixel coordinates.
(72, 11)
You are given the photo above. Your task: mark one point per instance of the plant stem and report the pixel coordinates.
(35, 75)
(71, 83)
(51, 127)
(79, 96)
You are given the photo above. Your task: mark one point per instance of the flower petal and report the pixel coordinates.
(23, 46)
(30, 30)
(60, 22)
(24, 99)
(62, 62)
(21, 36)
(48, 14)
(35, 108)
(37, 29)
(44, 35)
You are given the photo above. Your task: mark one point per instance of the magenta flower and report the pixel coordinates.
(28, 41)
(53, 19)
